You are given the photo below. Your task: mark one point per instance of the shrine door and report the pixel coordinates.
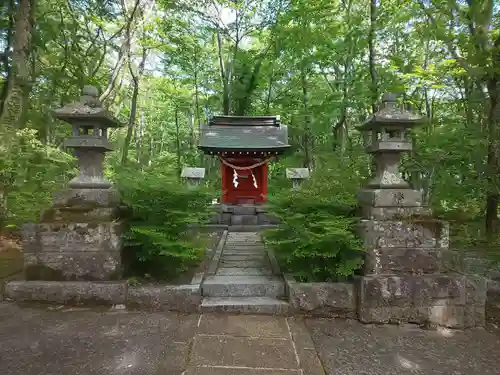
(246, 191)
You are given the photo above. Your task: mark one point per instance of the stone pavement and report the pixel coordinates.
(61, 340)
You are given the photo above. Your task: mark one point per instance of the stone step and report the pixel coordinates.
(244, 219)
(249, 263)
(251, 271)
(245, 305)
(244, 257)
(250, 228)
(243, 286)
(238, 254)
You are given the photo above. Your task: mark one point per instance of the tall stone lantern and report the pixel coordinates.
(80, 236)
(410, 274)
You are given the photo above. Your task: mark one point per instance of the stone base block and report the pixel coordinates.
(389, 198)
(418, 233)
(237, 219)
(74, 251)
(493, 302)
(67, 292)
(183, 298)
(412, 261)
(394, 213)
(265, 218)
(87, 197)
(322, 299)
(454, 300)
(73, 266)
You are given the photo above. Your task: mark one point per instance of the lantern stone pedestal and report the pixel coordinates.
(80, 236)
(410, 274)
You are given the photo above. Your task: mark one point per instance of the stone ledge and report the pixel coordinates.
(458, 317)
(67, 292)
(182, 298)
(451, 300)
(493, 301)
(322, 299)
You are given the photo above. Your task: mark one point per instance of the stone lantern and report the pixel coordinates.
(409, 272)
(297, 175)
(90, 123)
(80, 236)
(389, 138)
(193, 176)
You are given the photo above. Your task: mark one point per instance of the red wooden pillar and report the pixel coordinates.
(223, 170)
(263, 170)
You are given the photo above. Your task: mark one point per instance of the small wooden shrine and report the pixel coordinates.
(244, 145)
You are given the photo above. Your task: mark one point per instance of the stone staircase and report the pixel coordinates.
(243, 278)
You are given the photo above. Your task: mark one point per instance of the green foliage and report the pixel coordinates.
(317, 240)
(158, 242)
(29, 173)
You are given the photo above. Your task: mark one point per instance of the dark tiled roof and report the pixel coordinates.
(247, 133)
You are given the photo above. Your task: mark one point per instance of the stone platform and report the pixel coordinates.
(42, 341)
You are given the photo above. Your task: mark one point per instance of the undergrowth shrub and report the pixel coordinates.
(159, 244)
(316, 240)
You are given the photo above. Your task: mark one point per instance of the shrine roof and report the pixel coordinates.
(244, 133)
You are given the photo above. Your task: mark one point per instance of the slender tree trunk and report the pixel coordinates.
(372, 57)
(493, 194)
(18, 88)
(6, 53)
(225, 76)
(133, 105)
(131, 124)
(307, 118)
(178, 142)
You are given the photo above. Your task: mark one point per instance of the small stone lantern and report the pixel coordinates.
(389, 138)
(193, 176)
(90, 123)
(297, 175)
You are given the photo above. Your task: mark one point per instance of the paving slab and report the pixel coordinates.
(239, 371)
(80, 341)
(250, 352)
(244, 325)
(347, 347)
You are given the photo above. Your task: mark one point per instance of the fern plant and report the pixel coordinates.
(162, 210)
(317, 239)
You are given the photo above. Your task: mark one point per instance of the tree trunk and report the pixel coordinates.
(307, 118)
(133, 105)
(131, 124)
(225, 76)
(371, 47)
(18, 87)
(493, 194)
(178, 142)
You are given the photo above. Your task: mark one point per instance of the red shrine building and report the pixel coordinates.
(245, 145)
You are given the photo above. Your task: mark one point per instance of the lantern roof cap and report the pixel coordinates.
(88, 109)
(390, 114)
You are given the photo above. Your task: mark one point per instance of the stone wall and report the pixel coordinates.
(333, 300)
